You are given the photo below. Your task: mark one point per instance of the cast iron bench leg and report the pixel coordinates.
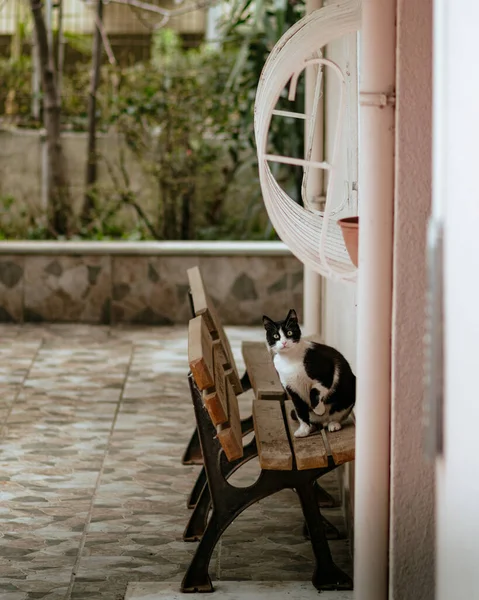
(232, 503)
(197, 489)
(324, 498)
(327, 576)
(199, 517)
(192, 454)
(197, 578)
(246, 428)
(332, 532)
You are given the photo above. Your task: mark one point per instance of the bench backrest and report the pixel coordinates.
(203, 306)
(213, 378)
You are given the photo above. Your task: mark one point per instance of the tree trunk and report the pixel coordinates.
(60, 51)
(91, 167)
(169, 212)
(59, 209)
(186, 204)
(35, 78)
(17, 37)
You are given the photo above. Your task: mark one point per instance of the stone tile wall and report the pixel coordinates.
(141, 289)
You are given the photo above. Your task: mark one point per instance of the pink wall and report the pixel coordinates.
(412, 478)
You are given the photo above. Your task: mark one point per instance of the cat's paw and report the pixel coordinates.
(304, 430)
(319, 409)
(334, 426)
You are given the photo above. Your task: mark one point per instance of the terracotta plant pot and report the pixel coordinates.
(350, 229)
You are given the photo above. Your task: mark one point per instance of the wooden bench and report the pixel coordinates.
(286, 462)
(260, 375)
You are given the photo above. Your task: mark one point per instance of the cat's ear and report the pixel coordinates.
(268, 323)
(292, 316)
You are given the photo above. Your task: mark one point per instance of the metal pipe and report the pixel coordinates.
(312, 281)
(376, 197)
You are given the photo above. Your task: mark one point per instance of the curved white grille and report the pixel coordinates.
(313, 236)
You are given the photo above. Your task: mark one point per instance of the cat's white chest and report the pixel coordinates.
(292, 374)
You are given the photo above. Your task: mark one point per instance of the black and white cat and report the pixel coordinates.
(317, 377)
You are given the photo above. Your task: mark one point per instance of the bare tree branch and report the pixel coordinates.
(166, 13)
(59, 193)
(92, 159)
(106, 41)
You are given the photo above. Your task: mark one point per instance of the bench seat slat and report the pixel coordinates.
(342, 443)
(216, 400)
(310, 452)
(272, 440)
(262, 374)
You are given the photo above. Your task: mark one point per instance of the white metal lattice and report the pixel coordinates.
(313, 236)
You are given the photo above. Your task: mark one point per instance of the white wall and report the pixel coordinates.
(339, 299)
(412, 480)
(338, 318)
(456, 134)
(412, 476)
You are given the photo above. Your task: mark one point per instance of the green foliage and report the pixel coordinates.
(79, 42)
(182, 123)
(20, 221)
(165, 44)
(186, 117)
(16, 89)
(254, 27)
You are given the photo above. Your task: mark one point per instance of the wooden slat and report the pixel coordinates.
(263, 376)
(200, 353)
(310, 452)
(215, 400)
(342, 443)
(229, 434)
(230, 361)
(273, 446)
(204, 306)
(198, 293)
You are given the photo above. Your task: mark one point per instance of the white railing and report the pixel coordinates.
(147, 248)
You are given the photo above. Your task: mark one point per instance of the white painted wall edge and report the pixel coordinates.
(180, 248)
(311, 279)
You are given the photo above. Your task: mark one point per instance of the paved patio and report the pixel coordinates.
(93, 423)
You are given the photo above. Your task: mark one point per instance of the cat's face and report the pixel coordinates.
(282, 336)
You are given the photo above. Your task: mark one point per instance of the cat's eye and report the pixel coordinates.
(276, 336)
(290, 333)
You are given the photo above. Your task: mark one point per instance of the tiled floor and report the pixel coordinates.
(93, 423)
